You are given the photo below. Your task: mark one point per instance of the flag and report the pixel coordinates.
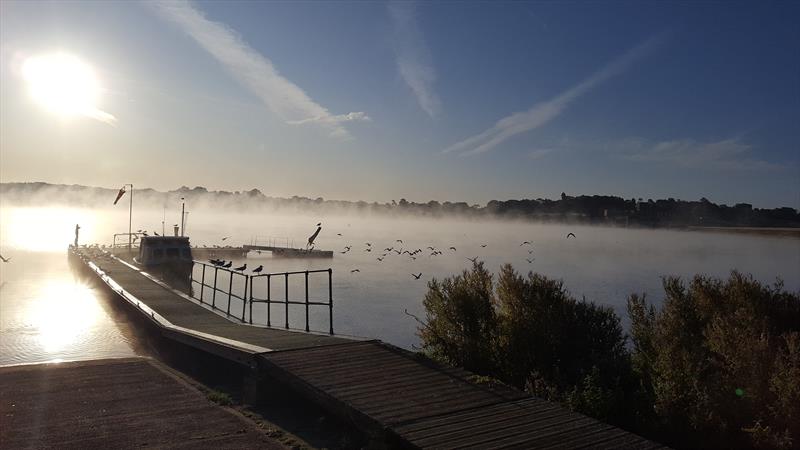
(119, 194)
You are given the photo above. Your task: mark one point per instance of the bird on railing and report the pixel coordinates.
(228, 265)
(241, 268)
(258, 269)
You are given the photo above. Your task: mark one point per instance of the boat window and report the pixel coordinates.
(158, 253)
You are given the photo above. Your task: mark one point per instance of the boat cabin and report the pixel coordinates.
(161, 250)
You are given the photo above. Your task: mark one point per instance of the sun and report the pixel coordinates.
(64, 85)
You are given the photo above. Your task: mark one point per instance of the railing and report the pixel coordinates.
(244, 285)
(286, 302)
(272, 241)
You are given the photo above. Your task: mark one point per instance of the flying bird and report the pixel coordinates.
(529, 260)
(380, 258)
(474, 260)
(338, 234)
(319, 224)
(571, 234)
(355, 270)
(453, 248)
(225, 238)
(399, 240)
(416, 276)
(241, 268)
(525, 243)
(483, 245)
(258, 269)
(368, 244)
(367, 249)
(5, 260)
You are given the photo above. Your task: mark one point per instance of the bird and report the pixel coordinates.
(226, 237)
(368, 244)
(338, 234)
(347, 247)
(314, 236)
(399, 240)
(388, 249)
(414, 258)
(483, 245)
(228, 265)
(453, 248)
(343, 252)
(530, 252)
(367, 249)
(474, 260)
(398, 252)
(241, 268)
(430, 248)
(571, 234)
(213, 261)
(258, 269)
(156, 233)
(5, 260)
(525, 243)
(380, 258)
(529, 260)
(355, 270)
(416, 276)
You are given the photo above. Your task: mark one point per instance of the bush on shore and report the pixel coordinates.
(718, 363)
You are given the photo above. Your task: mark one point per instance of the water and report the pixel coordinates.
(47, 315)
(603, 264)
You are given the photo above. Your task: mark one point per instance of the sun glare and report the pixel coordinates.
(65, 85)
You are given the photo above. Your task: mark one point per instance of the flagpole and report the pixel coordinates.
(130, 222)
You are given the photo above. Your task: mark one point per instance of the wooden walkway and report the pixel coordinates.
(383, 389)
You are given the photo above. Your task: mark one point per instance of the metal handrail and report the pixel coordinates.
(251, 299)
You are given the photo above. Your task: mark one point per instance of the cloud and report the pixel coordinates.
(251, 69)
(413, 56)
(727, 154)
(543, 112)
(540, 152)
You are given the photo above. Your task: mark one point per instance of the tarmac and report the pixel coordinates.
(116, 403)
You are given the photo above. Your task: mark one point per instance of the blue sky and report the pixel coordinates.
(448, 101)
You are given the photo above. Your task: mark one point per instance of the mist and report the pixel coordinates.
(602, 264)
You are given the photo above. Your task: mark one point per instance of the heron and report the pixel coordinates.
(314, 236)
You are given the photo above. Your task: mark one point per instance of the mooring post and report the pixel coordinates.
(306, 300)
(251, 300)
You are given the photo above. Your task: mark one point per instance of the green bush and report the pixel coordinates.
(721, 361)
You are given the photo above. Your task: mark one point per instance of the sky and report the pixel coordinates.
(448, 101)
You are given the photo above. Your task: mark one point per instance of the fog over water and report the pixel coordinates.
(602, 264)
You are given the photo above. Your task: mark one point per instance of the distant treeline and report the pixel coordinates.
(579, 209)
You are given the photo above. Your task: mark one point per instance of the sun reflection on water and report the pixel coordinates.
(61, 313)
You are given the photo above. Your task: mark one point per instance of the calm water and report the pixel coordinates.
(602, 264)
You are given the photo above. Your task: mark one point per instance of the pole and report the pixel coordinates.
(183, 207)
(130, 222)
(163, 219)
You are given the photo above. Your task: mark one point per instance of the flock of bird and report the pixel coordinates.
(399, 250)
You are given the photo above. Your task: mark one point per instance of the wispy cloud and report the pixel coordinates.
(540, 152)
(727, 154)
(252, 69)
(543, 112)
(413, 57)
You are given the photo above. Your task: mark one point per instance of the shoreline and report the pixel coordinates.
(764, 231)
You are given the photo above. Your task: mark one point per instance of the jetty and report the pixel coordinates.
(398, 398)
